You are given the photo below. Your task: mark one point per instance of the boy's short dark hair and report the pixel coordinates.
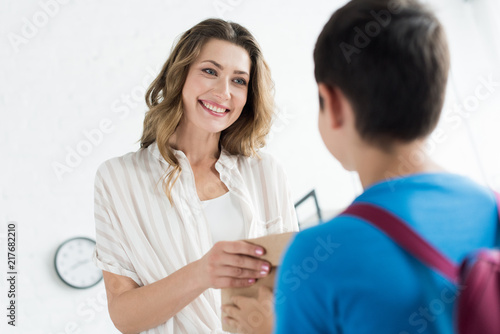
(391, 60)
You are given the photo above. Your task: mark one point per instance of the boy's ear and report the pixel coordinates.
(331, 104)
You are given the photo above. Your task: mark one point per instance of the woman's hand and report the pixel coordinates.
(231, 264)
(250, 315)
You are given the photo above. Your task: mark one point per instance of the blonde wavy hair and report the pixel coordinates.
(164, 96)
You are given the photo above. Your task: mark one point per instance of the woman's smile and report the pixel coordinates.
(214, 108)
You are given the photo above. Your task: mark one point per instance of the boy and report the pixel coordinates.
(381, 68)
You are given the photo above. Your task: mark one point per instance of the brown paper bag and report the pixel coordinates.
(274, 245)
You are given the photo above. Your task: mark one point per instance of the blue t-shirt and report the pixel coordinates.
(345, 276)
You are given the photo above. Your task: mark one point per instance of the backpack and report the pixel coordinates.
(477, 308)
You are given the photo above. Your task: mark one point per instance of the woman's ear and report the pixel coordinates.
(331, 104)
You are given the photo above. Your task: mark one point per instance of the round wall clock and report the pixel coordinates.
(73, 262)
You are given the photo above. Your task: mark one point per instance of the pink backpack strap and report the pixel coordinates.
(401, 233)
(405, 237)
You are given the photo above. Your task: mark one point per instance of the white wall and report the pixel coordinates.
(86, 66)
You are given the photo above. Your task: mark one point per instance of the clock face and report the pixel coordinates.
(73, 262)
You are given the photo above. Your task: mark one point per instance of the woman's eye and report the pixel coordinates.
(240, 82)
(209, 71)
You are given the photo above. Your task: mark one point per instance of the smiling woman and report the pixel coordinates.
(210, 109)
(215, 91)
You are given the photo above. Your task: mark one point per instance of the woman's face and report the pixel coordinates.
(216, 86)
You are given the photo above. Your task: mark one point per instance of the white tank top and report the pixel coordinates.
(225, 218)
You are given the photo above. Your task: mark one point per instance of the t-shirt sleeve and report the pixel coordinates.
(301, 302)
(109, 254)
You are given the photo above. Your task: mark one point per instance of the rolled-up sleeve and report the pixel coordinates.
(110, 252)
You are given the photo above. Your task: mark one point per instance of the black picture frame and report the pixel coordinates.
(308, 196)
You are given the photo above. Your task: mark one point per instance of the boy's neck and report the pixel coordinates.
(375, 165)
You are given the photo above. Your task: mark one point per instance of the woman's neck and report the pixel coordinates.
(197, 145)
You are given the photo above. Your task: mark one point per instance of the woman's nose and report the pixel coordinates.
(222, 90)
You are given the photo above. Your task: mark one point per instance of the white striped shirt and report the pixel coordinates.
(141, 236)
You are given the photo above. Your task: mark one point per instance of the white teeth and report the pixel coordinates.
(214, 108)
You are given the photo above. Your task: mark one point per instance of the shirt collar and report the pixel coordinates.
(226, 159)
